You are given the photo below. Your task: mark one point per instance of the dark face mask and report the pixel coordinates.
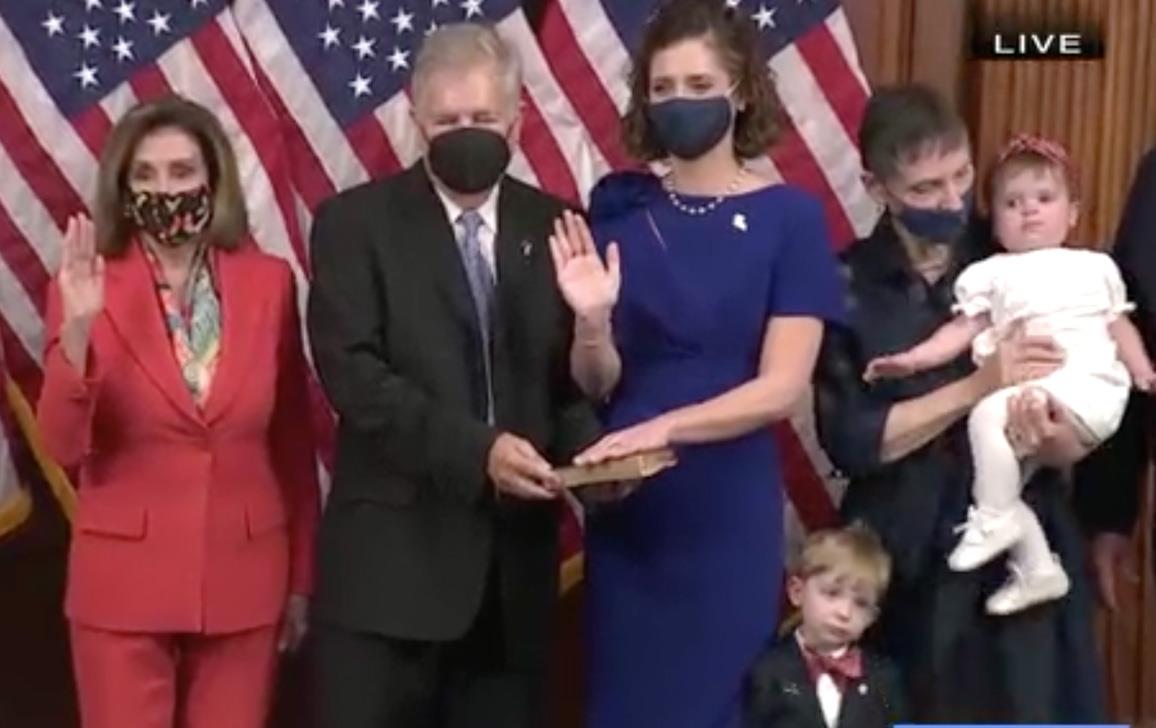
(689, 128)
(171, 219)
(469, 160)
(936, 225)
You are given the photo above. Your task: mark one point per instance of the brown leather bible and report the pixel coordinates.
(633, 467)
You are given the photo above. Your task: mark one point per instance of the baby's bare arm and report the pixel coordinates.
(948, 341)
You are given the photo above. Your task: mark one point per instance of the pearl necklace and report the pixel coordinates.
(668, 185)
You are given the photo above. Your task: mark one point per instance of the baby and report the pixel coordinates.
(1077, 298)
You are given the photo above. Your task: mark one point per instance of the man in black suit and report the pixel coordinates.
(1107, 482)
(443, 344)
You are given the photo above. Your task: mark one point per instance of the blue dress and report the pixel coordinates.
(683, 576)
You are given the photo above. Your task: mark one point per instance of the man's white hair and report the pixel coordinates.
(463, 46)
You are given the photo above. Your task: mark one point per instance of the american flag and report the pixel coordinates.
(314, 96)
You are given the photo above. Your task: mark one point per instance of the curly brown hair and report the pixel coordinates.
(735, 38)
(229, 224)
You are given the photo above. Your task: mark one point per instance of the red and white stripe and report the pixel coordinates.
(553, 141)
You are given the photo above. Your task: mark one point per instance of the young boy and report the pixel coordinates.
(818, 677)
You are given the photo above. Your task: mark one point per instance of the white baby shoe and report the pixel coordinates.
(1025, 589)
(987, 533)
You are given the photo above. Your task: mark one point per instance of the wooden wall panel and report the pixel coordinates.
(911, 40)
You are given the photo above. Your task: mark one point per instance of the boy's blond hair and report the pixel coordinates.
(853, 549)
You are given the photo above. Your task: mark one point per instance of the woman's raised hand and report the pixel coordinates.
(589, 286)
(81, 276)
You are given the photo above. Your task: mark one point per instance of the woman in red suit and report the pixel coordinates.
(175, 384)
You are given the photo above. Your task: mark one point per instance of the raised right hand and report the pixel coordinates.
(81, 276)
(589, 287)
(519, 471)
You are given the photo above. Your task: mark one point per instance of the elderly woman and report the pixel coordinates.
(175, 383)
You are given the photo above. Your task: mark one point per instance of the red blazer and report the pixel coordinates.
(188, 520)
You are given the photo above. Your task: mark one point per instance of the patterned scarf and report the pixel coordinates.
(194, 324)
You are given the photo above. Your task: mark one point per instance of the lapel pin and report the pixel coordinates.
(791, 689)
(740, 221)
(527, 248)
(862, 688)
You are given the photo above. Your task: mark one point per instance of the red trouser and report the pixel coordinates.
(146, 680)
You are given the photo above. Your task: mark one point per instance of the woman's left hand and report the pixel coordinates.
(1039, 427)
(653, 434)
(294, 623)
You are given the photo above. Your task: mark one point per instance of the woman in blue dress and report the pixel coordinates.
(700, 299)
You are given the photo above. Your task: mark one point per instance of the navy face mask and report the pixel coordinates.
(934, 224)
(689, 128)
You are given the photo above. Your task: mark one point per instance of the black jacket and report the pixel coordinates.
(780, 693)
(1108, 481)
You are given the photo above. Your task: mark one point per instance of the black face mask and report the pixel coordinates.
(689, 128)
(170, 218)
(469, 160)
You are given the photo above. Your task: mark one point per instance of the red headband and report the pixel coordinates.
(1053, 152)
(1032, 144)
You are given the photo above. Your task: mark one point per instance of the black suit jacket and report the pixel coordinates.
(780, 693)
(413, 528)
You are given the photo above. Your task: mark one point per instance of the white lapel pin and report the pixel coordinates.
(740, 221)
(791, 689)
(862, 688)
(527, 247)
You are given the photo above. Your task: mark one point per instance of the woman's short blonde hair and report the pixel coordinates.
(230, 222)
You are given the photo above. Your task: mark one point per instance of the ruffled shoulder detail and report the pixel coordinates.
(620, 193)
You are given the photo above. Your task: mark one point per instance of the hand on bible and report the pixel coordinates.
(653, 434)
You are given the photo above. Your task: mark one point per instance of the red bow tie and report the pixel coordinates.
(843, 669)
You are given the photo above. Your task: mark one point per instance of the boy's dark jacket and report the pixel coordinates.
(780, 693)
